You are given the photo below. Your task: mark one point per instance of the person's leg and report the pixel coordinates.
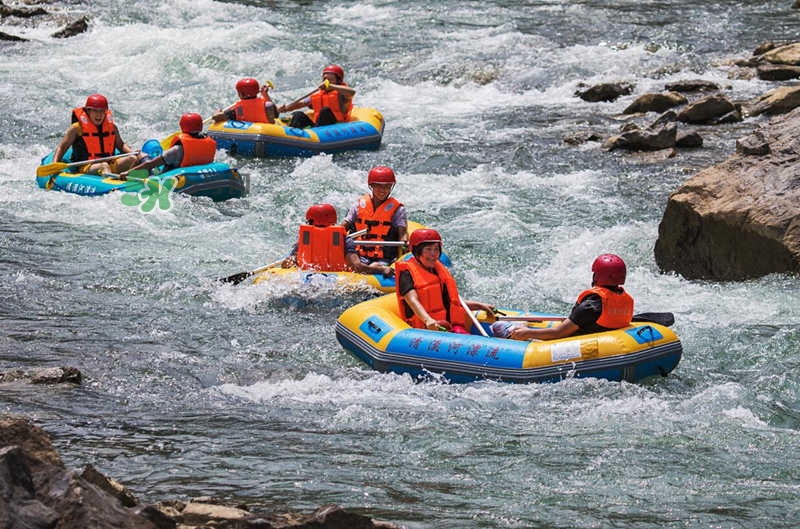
(300, 120)
(326, 117)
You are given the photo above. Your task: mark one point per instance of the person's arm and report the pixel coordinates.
(271, 110)
(306, 102)
(226, 114)
(346, 91)
(372, 268)
(66, 142)
(349, 221)
(479, 305)
(158, 160)
(120, 144)
(171, 156)
(562, 330)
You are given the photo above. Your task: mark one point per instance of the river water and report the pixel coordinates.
(196, 388)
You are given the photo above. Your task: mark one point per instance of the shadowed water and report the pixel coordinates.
(197, 388)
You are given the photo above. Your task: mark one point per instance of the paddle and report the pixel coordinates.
(662, 318)
(56, 167)
(472, 317)
(137, 175)
(380, 243)
(300, 99)
(241, 276)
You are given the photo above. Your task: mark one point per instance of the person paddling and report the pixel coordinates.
(322, 245)
(190, 147)
(427, 295)
(92, 135)
(604, 306)
(254, 104)
(383, 216)
(332, 102)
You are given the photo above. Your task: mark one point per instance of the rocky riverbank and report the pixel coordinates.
(738, 219)
(37, 491)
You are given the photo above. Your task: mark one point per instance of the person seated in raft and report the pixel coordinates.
(427, 295)
(331, 103)
(322, 245)
(190, 147)
(254, 104)
(93, 134)
(383, 217)
(603, 307)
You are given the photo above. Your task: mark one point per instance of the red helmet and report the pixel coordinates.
(336, 70)
(247, 87)
(321, 215)
(380, 174)
(96, 102)
(191, 122)
(422, 236)
(608, 269)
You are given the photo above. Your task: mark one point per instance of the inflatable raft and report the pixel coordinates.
(345, 280)
(263, 140)
(374, 332)
(216, 180)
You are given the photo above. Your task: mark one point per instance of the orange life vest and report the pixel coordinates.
(98, 142)
(251, 110)
(617, 307)
(379, 224)
(321, 248)
(430, 291)
(332, 99)
(196, 150)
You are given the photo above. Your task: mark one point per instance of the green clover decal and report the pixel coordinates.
(155, 192)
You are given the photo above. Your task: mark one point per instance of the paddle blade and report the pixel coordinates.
(166, 143)
(235, 278)
(51, 168)
(662, 318)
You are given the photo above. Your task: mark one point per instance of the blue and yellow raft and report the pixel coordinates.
(216, 180)
(374, 332)
(264, 140)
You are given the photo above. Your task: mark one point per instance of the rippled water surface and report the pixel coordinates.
(196, 388)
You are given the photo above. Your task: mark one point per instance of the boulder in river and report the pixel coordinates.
(739, 219)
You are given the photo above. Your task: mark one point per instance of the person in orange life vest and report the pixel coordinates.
(254, 104)
(190, 147)
(382, 215)
(332, 103)
(93, 134)
(322, 245)
(604, 306)
(427, 295)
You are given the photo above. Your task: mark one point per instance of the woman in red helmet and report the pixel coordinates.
(383, 217)
(93, 134)
(254, 104)
(322, 245)
(190, 147)
(427, 295)
(331, 103)
(603, 307)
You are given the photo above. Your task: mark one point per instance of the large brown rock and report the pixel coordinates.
(741, 218)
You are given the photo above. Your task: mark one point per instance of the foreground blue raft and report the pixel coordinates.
(261, 140)
(215, 180)
(374, 332)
